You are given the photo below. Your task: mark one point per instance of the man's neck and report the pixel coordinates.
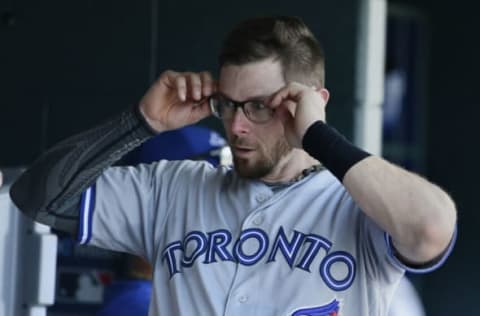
(290, 167)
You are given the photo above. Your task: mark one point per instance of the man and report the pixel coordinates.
(278, 235)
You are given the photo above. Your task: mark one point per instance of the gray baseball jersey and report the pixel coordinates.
(224, 245)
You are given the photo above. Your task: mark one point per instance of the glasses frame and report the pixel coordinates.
(236, 105)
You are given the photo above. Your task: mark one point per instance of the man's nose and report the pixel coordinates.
(240, 124)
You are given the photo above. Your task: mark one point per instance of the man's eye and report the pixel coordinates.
(258, 106)
(228, 104)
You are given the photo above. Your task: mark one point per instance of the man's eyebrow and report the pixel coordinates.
(255, 97)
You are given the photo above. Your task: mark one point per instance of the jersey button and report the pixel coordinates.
(261, 198)
(243, 298)
(258, 220)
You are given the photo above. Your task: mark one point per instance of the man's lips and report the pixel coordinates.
(241, 151)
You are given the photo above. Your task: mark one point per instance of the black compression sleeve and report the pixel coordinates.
(332, 149)
(49, 191)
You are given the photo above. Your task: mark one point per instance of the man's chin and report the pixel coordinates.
(250, 170)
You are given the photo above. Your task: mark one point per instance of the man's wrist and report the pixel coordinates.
(144, 121)
(332, 149)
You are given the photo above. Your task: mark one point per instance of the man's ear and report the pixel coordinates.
(324, 93)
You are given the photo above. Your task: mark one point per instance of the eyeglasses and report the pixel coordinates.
(255, 110)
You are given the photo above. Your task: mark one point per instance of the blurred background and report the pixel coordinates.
(68, 65)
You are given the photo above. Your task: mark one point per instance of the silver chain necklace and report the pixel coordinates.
(305, 172)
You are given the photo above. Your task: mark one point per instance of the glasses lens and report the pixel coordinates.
(258, 112)
(226, 108)
(255, 111)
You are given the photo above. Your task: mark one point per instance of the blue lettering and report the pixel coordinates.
(217, 245)
(253, 258)
(169, 256)
(336, 258)
(289, 249)
(337, 269)
(201, 246)
(316, 243)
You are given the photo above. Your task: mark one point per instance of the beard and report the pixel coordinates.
(267, 160)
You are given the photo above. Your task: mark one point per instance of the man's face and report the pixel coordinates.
(256, 147)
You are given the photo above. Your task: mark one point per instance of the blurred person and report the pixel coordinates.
(304, 224)
(129, 294)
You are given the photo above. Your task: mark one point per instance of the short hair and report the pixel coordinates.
(284, 38)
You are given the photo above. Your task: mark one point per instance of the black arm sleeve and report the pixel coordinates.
(50, 190)
(333, 150)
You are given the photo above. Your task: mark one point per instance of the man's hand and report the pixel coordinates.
(299, 106)
(177, 99)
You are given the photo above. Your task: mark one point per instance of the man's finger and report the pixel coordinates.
(284, 115)
(201, 110)
(194, 86)
(168, 76)
(291, 91)
(207, 83)
(290, 106)
(181, 85)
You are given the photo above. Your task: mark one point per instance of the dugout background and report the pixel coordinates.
(67, 65)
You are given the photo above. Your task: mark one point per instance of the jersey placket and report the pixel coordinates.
(239, 295)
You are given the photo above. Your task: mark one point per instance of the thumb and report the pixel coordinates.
(288, 122)
(201, 110)
(285, 115)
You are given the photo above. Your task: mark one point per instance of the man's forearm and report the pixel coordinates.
(49, 191)
(417, 214)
